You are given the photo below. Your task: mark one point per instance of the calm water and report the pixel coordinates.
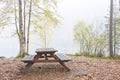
(10, 47)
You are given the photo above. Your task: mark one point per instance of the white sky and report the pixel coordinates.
(91, 11)
(88, 10)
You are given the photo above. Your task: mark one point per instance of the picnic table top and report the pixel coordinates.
(45, 50)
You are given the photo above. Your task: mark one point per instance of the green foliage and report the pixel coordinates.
(45, 22)
(115, 42)
(78, 54)
(101, 55)
(91, 43)
(115, 57)
(41, 16)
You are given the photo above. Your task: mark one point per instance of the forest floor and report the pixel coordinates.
(82, 68)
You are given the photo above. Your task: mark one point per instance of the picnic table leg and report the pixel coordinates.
(28, 65)
(63, 64)
(46, 57)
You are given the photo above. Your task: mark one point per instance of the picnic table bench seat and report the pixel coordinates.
(29, 58)
(62, 57)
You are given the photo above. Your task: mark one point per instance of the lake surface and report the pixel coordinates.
(9, 47)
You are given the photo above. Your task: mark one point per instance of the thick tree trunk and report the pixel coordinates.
(16, 26)
(21, 32)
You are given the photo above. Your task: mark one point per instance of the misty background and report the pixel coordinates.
(71, 11)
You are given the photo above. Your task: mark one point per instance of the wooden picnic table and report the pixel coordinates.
(46, 52)
(45, 55)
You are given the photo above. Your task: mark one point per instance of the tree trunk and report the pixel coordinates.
(24, 22)
(16, 26)
(119, 5)
(79, 48)
(45, 36)
(21, 32)
(111, 29)
(28, 29)
(115, 37)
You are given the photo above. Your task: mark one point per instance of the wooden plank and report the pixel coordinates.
(42, 61)
(63, 57)
(40, 50)
(28, 58)
(32, 57)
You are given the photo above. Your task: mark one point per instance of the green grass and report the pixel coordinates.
(89, 54)
(99, 55)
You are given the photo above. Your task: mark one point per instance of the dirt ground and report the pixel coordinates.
(82, 68)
